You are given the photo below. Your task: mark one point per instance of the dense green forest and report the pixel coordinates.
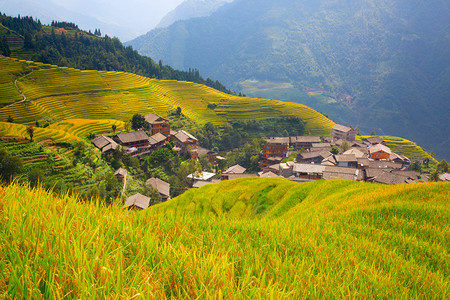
(63, 44)
(380, 65)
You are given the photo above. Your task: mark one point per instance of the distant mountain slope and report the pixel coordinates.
(380, 65)
(191, 9)
(65, 93)
(273, 239)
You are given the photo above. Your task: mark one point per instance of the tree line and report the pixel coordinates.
(87, 51)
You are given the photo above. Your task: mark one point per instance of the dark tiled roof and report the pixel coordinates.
(341, 128)
(152, 118)
(120, 171)
(305, 139)
(162, 186)
(157, 138)
(236, 169)
(137, 200)
(130, 137)
(184, 137)
(277, 140)
(346, 158)
(309, 155)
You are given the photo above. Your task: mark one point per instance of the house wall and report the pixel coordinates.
(380, 155)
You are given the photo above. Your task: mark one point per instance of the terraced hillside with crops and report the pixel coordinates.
(65, 93)
(249, 238)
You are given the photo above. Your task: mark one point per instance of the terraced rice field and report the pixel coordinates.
(409, 149)
(65, 93)
(19, 130)
(83, 127)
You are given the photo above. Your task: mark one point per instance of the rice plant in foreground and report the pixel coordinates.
(331, 239)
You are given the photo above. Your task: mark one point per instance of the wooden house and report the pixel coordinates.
(120, 174)
(137, 202)
(137, 142)
(157, 124)
(343, 132)
(276, 147)
(161, 186)
(380, 152)
(105, 144)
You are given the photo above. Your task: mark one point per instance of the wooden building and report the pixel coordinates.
(343, 132)
(276, 147)
(380, 152)
(157, 124)
(161, 186)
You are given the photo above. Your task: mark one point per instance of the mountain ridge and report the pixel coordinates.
(380, 67)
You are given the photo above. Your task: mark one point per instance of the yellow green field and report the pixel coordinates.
(19, 130)
(403, 146)
(83, 127)
(65, 93)
(245, 239)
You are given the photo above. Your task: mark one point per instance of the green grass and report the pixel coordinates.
(65, 93)
(250, 238)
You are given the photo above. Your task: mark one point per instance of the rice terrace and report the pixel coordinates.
(232, 225)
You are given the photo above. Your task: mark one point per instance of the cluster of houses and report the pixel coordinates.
(367, 160)
(139, 143)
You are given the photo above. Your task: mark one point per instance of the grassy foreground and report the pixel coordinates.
(250, 238)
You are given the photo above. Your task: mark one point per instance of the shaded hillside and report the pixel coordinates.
(381, 66)
(329, 239)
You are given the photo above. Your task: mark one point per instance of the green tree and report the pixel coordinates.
(373, 132)
(36, 176)
(9, 165)
(344, 147)
(10, 119)
(334, 150)
(434, 176)
(442, 167)
(137, 121)
(113, 127)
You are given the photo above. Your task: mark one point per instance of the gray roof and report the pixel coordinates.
(321, 145)
(184, 137)
(157, 138)
(358, 153)
(379, 147)
(342, 128)
(374, 140)
(104, 143)
(305, 139)
(130, 137)
(308, 168)
(270, 175)
(346, 158)
(120, 171)
(152, 118)
(162, 186)
(444, 177)
(236, 169)
(277, 140)
(331, 172)
(137, 200)
(309, 155)
(386, 177)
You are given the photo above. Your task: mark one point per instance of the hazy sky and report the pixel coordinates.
(130, 13)
(123, 18)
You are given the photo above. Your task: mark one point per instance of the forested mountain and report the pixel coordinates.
(63, 44)
(380, 65)
(191, 9)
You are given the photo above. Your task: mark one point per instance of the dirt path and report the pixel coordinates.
(124, 184)
(19, 90)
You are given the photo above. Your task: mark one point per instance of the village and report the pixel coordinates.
(340, 156)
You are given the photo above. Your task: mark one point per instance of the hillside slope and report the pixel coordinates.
(328, 239)
(65, 93)
(380, 66)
